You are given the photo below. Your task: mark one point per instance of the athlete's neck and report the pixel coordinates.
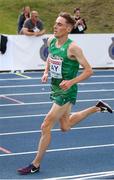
(61, 41)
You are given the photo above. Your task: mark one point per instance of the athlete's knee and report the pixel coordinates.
(64, 123)
(45, 131)
(47, 124)
(45, 127)
(65, 128)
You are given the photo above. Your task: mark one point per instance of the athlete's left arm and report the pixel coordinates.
(76, 54)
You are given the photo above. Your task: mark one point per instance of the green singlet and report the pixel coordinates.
(62, 68)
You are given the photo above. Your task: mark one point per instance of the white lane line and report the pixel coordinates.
(61, 149)
(39, 78)
(102, 76)
(33, 103)
(27, 116)
(109, 69)
(50, 102)
(22, 79)
(23, 116)
(84, 176)
(46, 85)
(56, 130)
(11, 99)
(29, 85)
(48, 92)
(22, 75)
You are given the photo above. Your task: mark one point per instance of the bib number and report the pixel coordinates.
(56, 68)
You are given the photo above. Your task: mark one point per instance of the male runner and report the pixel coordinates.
(63, 62)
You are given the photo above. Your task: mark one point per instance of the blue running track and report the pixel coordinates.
(85, 152)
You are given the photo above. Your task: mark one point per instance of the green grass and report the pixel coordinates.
(99, 14)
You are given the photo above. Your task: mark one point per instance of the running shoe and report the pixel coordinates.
(104, 106)
(28, 170)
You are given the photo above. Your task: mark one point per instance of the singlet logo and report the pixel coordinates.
(44, 50)
(111, 49)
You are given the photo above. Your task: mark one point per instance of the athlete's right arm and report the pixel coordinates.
(45, 74)
(46, 71)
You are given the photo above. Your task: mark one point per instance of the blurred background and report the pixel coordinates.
(99, 14)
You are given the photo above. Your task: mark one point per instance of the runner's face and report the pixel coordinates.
(60, 27)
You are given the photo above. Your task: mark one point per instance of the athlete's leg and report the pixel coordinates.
(67, 121)
(54, 114)
(76, 117)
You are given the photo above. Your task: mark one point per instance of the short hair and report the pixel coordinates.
(76, 9)
(69, 18)
(33, 12)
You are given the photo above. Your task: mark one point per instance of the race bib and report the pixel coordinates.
(80, 27)
(35, 29)
(55, 67)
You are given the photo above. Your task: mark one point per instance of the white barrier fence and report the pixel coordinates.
(29, 53)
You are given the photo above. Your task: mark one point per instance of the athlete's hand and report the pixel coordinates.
(44, 78)
(66, 84)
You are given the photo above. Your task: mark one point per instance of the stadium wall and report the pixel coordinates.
(30, 53)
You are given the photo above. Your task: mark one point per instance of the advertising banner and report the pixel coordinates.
(30, 53)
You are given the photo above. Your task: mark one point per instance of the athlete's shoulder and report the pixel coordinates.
(74, 46)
